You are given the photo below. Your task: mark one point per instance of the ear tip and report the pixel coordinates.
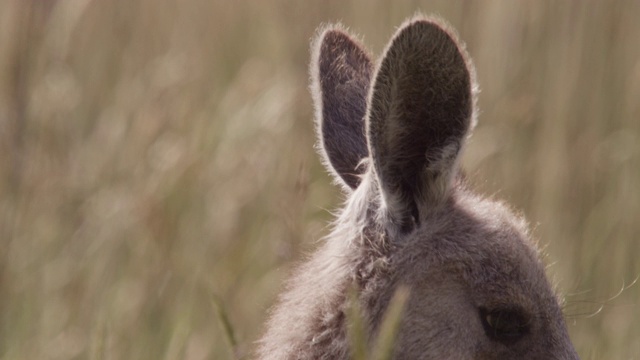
(333, 31)
(328, 32)
(431, 22)
(334, 43)
(335, 36)
(325, 34)
(422, 22)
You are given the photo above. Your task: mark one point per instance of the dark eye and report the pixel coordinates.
(504, 325)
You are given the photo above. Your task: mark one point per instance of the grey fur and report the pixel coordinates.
(410, 220)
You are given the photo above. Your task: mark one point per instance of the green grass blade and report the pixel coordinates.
(225, 325)
(388, 330)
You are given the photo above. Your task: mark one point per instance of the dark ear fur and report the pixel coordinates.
(421, 110)
(341, 75)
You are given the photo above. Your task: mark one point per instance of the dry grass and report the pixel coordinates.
(156, 158)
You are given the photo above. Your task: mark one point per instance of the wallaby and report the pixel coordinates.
(392, 133)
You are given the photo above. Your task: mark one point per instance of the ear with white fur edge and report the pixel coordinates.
(422, 108)
(340, 78)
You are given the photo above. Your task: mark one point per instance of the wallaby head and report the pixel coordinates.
(392, 134)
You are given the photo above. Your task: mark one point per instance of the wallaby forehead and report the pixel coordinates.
(475, 224)
(482, 240)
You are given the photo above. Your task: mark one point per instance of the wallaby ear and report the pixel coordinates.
(341, 74)
(421, 111)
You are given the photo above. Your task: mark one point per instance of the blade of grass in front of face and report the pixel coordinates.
(356, 329)
(99, 339)
(178, 340)
(225, 325)
(391, 322)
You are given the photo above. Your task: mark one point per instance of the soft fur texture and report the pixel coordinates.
(392, 137)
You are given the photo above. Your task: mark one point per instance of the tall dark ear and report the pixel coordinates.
(341, 74)
(421, 111)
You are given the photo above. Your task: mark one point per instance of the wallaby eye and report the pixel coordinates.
(504, 325)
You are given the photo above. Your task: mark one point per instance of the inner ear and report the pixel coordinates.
(421, 109)
(341, 77)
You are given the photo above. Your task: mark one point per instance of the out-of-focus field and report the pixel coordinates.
(156, 159)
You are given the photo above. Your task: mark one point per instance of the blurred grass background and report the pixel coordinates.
(157, 168)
